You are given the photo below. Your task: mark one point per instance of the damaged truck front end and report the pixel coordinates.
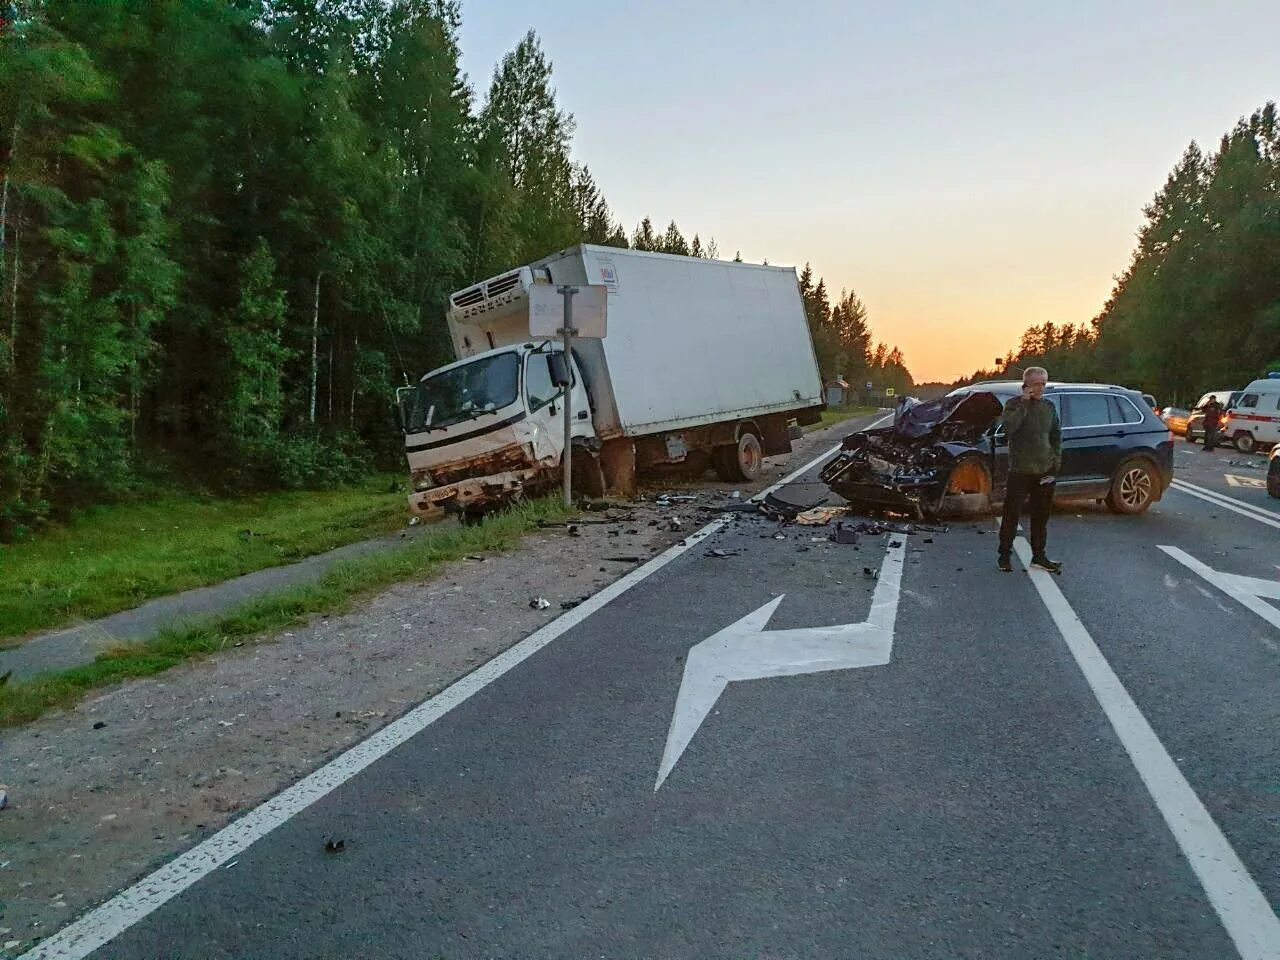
(935, 459)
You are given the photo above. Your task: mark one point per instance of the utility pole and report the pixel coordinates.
(566, 333)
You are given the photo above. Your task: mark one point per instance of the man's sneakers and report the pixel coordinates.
(1005, 565)
(1044, 563)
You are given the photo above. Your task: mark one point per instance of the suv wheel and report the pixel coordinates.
(1133, 488)
(1245, 442)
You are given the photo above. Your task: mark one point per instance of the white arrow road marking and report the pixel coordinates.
(1248, 591)
(747, 651)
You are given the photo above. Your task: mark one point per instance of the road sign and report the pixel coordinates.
(890, 392)
(746, 650)
(546, 310)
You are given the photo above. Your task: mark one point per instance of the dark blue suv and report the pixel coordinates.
(1114, 447)
(950, 455)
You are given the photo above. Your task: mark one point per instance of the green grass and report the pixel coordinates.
(115, 557)
(24, 700)
(834, 415)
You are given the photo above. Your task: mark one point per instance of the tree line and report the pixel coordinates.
(842, 340)
(1198, 306)
(229, 229)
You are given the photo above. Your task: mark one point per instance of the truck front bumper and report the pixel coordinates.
(472, 494)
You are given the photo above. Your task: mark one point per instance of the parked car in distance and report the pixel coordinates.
(951, 455)
(1195, 423)
(1176, 418)
(1273, 472)
(1151, 402)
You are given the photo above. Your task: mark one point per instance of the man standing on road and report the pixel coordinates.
(1034, 436)
(1212, 423)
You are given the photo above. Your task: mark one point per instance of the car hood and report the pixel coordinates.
(920, 422)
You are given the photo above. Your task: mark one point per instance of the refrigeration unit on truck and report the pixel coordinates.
(706, 364)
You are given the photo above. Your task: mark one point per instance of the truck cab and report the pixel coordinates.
(489, 428)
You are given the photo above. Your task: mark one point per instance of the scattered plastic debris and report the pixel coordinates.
(98, 725)
(675, 524)
(719, 554)
(539, 603)
(4, 797)
(414, 521)
(570, 604)
(820, 516)
(622, 560)
(334, 845)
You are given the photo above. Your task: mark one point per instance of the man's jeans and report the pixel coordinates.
(1022, 486)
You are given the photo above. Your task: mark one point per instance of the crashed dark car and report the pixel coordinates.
(949, 456)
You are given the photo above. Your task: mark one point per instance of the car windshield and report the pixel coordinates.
(465, 392)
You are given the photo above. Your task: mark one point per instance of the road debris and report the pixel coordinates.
(99, 724)
(570, 604)
(778, 509)
(719, 554)
(4, 797)
(675, 524)
(623, 559)
(845, 533)
(820, 516)
(539, 603)
(334, 845)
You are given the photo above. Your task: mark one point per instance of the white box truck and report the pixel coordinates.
(706, 364)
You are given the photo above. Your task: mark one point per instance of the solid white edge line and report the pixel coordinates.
(1228, 585)
(106, 922)
(1240, 905)
(1228, 503)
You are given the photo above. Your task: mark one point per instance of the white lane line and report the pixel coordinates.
(1228, 503)
(1247, 591)
(105, 923)
(1243, 909)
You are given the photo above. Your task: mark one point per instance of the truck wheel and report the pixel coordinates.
(1133, 488)
(1273, 482)
(741, 462)
(1245, 442)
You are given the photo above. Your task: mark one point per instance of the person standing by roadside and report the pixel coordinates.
(1212, 423)
(1034, 435)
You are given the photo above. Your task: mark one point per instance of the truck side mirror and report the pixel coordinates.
(401, 418)
(558, 367)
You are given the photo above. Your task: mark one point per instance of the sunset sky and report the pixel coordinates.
(970, 169)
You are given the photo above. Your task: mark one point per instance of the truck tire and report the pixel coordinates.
(740, 462)
(1133, 487)
(1273, 480)
(1244, 441)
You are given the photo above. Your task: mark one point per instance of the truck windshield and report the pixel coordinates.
(465, 392)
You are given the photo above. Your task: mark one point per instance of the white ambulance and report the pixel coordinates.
(1254, 421)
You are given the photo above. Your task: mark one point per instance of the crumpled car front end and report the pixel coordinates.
(933, 457)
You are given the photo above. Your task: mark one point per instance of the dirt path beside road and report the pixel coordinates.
(101, 794)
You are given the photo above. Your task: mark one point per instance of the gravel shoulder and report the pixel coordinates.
(100, 795)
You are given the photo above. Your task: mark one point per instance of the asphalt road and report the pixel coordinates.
(1021, 777)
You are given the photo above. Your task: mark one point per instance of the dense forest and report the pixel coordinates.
(1198, 307)
(229, 229)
